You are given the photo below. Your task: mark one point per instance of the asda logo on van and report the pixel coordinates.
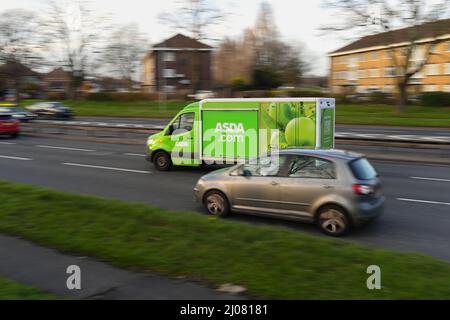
(227, 127)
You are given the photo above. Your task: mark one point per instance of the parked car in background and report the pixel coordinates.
(51, 110)
(18, 113)
(9, 125)
(333, 189)
(202, 94)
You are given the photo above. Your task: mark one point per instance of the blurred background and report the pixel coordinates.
(391, 52)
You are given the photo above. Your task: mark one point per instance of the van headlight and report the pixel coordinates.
(150, 141)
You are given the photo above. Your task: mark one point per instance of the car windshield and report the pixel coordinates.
(363, 170)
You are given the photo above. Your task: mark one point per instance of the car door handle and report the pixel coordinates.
(274, 183)
(328, 187)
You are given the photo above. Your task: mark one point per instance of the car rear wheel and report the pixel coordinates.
(216, 204)
(333, 220)
(162, 161)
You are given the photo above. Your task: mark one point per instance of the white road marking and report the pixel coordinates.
(65, 148)
(424, 201)
(431, 179)
(7, 143)
(105, 168)
(134, 154)
(15, 158)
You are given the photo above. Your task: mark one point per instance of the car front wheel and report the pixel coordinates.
(333, 221)
(217, 204)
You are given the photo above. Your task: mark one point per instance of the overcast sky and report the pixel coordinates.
(297, 21)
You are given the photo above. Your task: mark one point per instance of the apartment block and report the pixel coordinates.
(371, 64)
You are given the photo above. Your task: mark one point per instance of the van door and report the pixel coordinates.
(180, 137)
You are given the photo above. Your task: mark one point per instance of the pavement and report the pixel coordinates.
(417, 218)
(46, 268)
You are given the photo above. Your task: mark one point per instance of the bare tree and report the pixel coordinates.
(260, 56)
(194, 16)
(280, 60)
(75, 31)
(123, 54)
(388, 15)
(19, 45)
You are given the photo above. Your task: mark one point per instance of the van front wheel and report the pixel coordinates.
(162, 161)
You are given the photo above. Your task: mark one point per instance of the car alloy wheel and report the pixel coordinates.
(333, 222)
(216, 204)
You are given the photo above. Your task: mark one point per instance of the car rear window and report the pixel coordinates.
(362, 169)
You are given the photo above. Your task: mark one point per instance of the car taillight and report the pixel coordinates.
(362, 189)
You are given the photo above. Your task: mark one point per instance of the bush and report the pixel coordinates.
(435, 99)
(121, 97)
(302, 93)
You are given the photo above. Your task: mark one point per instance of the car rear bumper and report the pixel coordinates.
(9, 130)
(368, 211)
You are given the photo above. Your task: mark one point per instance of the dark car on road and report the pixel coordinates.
(17, 113)
(51, 110)
(9, 125)
(332, 188)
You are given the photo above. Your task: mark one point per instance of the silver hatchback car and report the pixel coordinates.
(334, 189)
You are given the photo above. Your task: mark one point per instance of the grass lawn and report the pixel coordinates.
(10, 290)
(270, 261)
(135, 109)
(346, 114)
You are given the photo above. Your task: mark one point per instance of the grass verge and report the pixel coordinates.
(271, 262)
(10, 290)
(346, 114)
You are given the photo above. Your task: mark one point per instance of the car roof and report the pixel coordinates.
(331, 153)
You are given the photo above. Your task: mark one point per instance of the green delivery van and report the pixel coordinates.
(236, 130)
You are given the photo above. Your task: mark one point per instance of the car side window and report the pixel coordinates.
(266, 167)
(311, 168)
(184, 123)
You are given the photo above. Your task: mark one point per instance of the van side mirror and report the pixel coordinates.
(170, 130)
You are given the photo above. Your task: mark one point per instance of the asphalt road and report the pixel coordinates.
(417, 216)
(436, 132)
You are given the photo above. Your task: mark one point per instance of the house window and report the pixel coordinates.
(169, 56)
(447, 88)
(373, 73)
(389, 72)
(447, 68)
(169, 73)
(430, 88)
(169, 89)
(432, 69)
(388, 89)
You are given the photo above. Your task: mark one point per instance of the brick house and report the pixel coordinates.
(57, 81)
(177, 64)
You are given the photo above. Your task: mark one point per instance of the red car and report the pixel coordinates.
(9, 125)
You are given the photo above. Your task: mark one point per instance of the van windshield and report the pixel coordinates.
(362, 169)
